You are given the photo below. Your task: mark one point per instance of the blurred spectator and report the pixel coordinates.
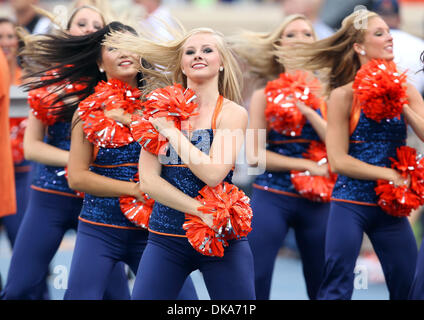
(406, 47)
(27, 17)
(7, 179)
(334, 11)
(157, 19)
(312, 10)
(17, 125)
(9, 44)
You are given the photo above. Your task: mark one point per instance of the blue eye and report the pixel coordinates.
(207, 50)
(189, 52)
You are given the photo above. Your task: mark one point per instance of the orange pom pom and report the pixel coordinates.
(314, 188)
(400, 201)
(137, 212)
(174, 103)
(380, 90)
(204, 239)
(42, 100)
(101, 130)
(282, 95)
(17, 131)
(171, 101)
(146, 135)
(232, 216)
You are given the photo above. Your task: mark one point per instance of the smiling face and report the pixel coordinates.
(85, 21)
(297, 31)
(8, 40)
(378, 42)
(119, 65)
(200, 59)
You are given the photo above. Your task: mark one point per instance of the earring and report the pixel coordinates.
(101, 70)
(221, 68)
(183, 72)
(363, 52)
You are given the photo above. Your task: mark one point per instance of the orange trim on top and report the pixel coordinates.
(355, 114)
(55, 192)
(132, 164)
(355, 202)
(290, 141)
(109, 225)
(323, 109)
(257, 186)
(22, 169)
(175, 165)
(168, 234)
(217, 110)
(356, 141)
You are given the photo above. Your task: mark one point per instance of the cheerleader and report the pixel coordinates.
(417, 289)
(277, 204)
(103, 158)
(22, 167)
(363, 134)
(199, 61)
(53, 207)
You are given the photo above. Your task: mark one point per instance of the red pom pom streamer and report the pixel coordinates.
(380, 89)
(17, 131)
(282, 95)
(232, 217)
(400, 201)
(314, 188)
(101, 130)
(173, 102)
(137, 211)
(41, 100)
(146, 135)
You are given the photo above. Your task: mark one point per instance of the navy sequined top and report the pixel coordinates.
(371, 142)
(116, 163)
(50, 178)
(289, 147)
(166, 220)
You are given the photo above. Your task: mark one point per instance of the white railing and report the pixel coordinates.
(18, 103)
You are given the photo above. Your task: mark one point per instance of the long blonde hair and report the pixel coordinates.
(259, 49)
(334, 56)
(165, 58)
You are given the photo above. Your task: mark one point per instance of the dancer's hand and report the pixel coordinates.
(119, 115)
(208, 220)
(304, 108)
(398, 180)
(163, 125)
(137, 192)
(316, 169)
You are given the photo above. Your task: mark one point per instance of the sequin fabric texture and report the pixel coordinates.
(287, 146)
(116, 163)
(50, 177)
(373, 143)
(165, 219)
